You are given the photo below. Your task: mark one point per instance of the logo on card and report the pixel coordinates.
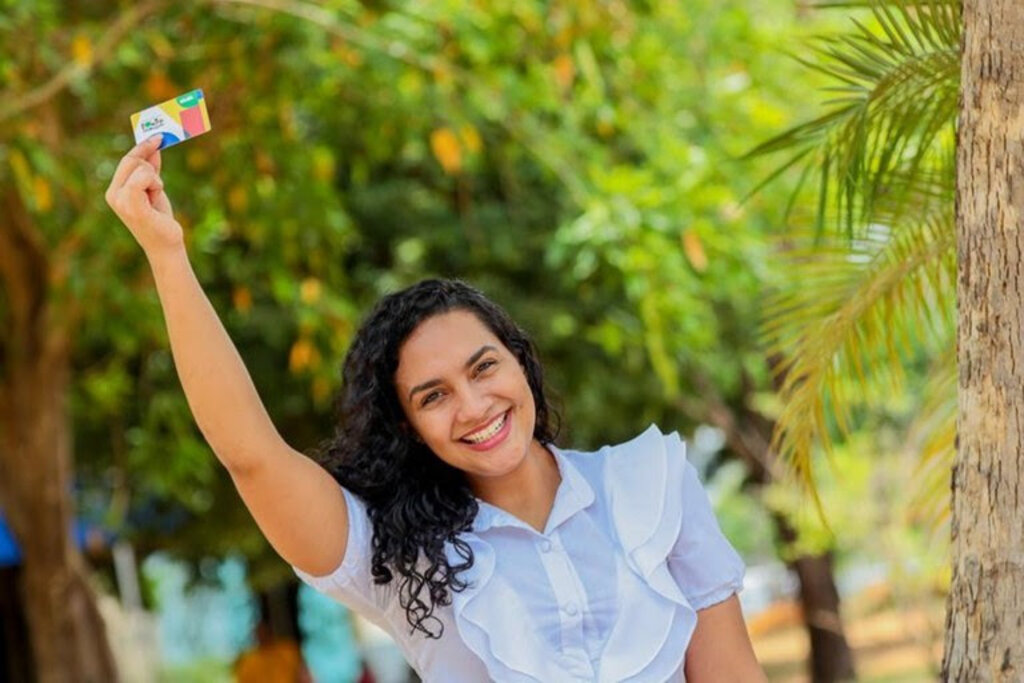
(155, 122)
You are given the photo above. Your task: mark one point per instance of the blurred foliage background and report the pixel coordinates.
(578, 161)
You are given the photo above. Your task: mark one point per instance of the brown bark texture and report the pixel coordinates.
(831, 657)
(985, 609)
(66, 631)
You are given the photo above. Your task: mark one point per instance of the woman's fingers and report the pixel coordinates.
(146, 147)
(142, 180)
(160, 202)
(141, 153)
(154, 159)
(133, 199)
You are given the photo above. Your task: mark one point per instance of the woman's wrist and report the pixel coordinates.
(168, 261)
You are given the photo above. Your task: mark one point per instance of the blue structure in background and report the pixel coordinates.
(10, 553)
(329, 646)
(216, 621)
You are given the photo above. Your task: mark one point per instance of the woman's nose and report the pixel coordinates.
(473, 406)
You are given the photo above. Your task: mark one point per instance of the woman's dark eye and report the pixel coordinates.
(430, 398)
(485, 365)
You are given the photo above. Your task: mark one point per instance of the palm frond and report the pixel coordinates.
(932, 442)
(894, 101)
(859, 309)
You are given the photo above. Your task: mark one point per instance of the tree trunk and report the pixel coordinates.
(15, 662)
(748, 435)
(984, 623)
(831, 657)
(66, 632)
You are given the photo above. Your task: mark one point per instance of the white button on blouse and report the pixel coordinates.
(608, 592)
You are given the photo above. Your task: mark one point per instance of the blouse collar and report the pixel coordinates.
(573, 495)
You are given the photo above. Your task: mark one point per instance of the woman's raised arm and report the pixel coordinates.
(292, 499)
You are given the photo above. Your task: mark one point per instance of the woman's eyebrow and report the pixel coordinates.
(423, 387)
(434, 382)
(479, 352)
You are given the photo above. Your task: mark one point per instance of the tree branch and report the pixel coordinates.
(327, 20)
(11, 104)
(747, 432)
(525, 132)
(23, 263)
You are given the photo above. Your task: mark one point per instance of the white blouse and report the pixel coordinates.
(608, 592)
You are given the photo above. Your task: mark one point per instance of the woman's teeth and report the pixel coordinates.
(480, 437)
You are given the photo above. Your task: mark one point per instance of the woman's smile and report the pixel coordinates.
(491, 434)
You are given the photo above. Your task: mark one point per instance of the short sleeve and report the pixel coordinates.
(352, 583)
(704, 564)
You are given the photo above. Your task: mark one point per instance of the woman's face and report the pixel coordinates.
(466, 395)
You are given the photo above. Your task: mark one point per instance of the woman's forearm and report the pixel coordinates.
(218, 387)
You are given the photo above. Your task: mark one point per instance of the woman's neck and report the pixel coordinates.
(527, 492)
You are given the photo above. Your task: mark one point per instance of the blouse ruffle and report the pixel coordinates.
(644, 488)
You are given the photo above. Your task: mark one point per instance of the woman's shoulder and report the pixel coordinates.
(641, 484)
(647, 457)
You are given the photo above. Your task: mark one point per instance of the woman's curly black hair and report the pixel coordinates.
(416, 502)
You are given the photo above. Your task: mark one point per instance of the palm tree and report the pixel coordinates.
(878, 282)
(875, 288)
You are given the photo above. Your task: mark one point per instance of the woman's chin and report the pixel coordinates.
(500, 461)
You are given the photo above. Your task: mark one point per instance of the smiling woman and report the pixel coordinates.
(442, 509)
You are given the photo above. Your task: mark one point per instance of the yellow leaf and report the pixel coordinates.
(471, 138)
(242, 298)
(286, 117)
(264, 163)
(26, 181)
(346, 54)
(81, 50)
(309, 290)
(321, 390)
(323, 164)
(162, 47)
(443, 75)
(301, 355)
(42, 193)
(30, 129)
(446, 150)
(21, 170)
(159, 87)
(605, 122)
(196, 158)
(565, 71)
(353, 58)
(694, 250)
(563, 38)
(238, 199)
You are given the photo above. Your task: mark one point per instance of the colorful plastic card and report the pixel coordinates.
(175, 120)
